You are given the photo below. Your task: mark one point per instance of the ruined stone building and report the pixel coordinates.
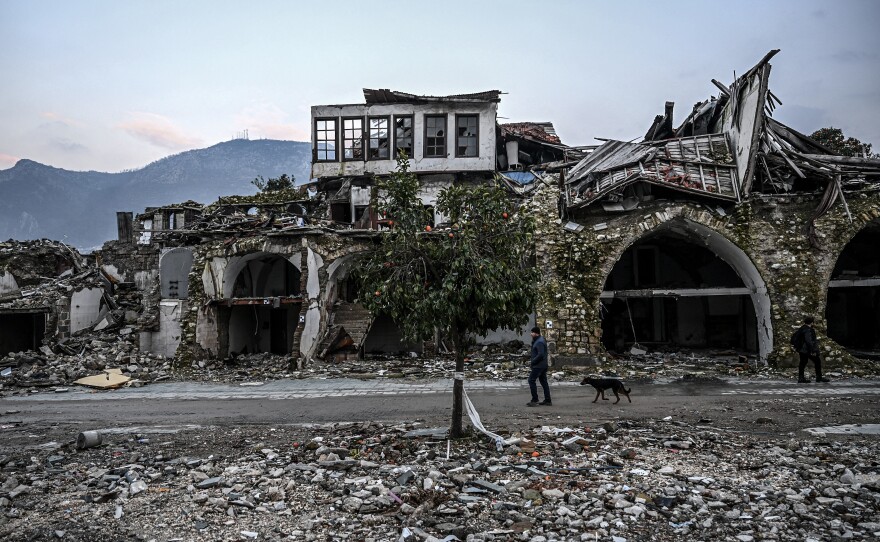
(717, 232)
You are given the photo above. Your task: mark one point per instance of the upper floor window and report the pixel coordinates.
(403, 134)
(325, 140)
(353, 139)
(378, 142)
(435, 136)
(466, 130)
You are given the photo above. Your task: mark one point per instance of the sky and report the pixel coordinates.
(109, 85)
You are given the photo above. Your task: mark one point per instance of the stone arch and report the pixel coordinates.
(255, 265)
(268, 326)
(174, 267)
(852, 303)
(693, 231)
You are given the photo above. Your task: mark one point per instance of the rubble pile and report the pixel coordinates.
(47, 292)
(620, 481)
(93, 353)
(82, 356)
(38, 260)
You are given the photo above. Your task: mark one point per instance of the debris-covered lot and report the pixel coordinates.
(556, 478)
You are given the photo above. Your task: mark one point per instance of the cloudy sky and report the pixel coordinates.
(109, 85)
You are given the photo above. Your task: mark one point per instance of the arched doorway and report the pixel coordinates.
(174, 268)
(263, 305)
(853, 307)
(684, 286)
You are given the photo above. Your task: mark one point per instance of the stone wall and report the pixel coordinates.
(769, 230)
(203, 328)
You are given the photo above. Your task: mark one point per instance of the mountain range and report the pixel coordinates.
(79, 207)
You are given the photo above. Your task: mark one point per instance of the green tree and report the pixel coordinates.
(471, 275)
(834, 140)
(284, 182)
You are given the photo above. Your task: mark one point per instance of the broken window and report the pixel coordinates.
(146, 232)
(353, 139)
(378, 145)
(435, 136)
(466, 129)
(325, 140)
(341, 212)
(403, 134)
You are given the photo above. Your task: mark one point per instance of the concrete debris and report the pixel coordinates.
(632, 481)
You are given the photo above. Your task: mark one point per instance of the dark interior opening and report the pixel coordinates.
(21, 331)
(385, 337)
(852, 311)
(675, 260)
(341, 212)
(266, 327)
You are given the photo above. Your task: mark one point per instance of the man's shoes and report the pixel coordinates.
(546, 403)
(822, 380)
(533, 403)
(803, 381)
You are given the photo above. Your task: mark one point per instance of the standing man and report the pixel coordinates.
(539, 369)
(807, 346)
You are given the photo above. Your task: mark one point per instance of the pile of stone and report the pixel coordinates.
(56, 368)
(622, 481)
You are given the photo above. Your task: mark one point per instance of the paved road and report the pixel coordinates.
(500, 404)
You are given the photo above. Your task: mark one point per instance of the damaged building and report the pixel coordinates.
(717, 232)
(721, 233)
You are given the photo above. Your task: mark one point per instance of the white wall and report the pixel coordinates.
(85, 308)
(174, 267)
(419, 164)
(7, 283)
(166, 340)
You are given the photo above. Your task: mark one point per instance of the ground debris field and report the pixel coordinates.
(645, 479)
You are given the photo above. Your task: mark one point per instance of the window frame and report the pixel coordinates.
(369, 138)
(335, 141)
(412, 135)
(445, 118)
(475, 116)
(363, 157)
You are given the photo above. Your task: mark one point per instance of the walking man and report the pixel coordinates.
(807, 346)
(539, 369)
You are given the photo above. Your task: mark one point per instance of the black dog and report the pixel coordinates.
(602, 384)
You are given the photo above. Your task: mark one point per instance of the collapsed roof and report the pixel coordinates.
(385, 96)
(728, 147)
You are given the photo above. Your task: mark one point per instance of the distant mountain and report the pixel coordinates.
(79, 207)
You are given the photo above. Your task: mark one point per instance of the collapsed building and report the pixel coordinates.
(720, 233)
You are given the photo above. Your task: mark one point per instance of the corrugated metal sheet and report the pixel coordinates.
(610, 155)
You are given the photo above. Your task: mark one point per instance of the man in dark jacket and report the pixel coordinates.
(539, 369)
(807, 346)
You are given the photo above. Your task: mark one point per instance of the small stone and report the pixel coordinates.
(210, 482)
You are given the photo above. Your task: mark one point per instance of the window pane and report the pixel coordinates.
(325, 139)
(466, 135)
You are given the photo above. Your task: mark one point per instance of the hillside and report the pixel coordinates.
(79, 207)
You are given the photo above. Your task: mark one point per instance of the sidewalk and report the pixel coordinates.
(349, 387)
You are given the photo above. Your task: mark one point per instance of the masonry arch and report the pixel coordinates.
(261, 304)
(174, 267)
(852, 308)
(684, 285)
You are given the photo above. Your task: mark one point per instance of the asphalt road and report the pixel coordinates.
(761, 408)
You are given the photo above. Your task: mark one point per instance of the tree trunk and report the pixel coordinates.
(455, 429)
